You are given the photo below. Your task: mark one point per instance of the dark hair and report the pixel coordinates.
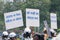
(4, 36)
(40, 37)
(45, 32)
(52, 34)
(26, 35)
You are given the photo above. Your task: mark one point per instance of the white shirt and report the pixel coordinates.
(58, 37)
(28, 38)
(54, 38)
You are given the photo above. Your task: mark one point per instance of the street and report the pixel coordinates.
(0, 38)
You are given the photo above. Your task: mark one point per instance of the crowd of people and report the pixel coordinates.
(29, 34)
(6, 36)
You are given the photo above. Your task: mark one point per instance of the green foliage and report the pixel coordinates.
(45, 7)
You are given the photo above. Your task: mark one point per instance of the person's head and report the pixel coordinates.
(27, 32)
(38, 37)
(45, 31)
(53, 32)
(12, 35)
(27, 29)
(5, 34)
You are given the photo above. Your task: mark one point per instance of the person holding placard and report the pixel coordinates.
(27, 34)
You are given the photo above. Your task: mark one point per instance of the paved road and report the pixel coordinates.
(0, 38)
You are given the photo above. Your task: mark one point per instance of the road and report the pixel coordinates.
(0, 38)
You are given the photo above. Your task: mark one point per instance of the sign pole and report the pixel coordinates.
(48, 29)
(38, 29)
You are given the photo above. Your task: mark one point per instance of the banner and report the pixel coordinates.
(13, 19)
(32, 17)
(47, 28)
(53, 18)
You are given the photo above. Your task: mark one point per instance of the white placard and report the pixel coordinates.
(53, 18)
(13, 19)
(32, 17)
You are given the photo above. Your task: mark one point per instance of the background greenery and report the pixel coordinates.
(45, 7)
